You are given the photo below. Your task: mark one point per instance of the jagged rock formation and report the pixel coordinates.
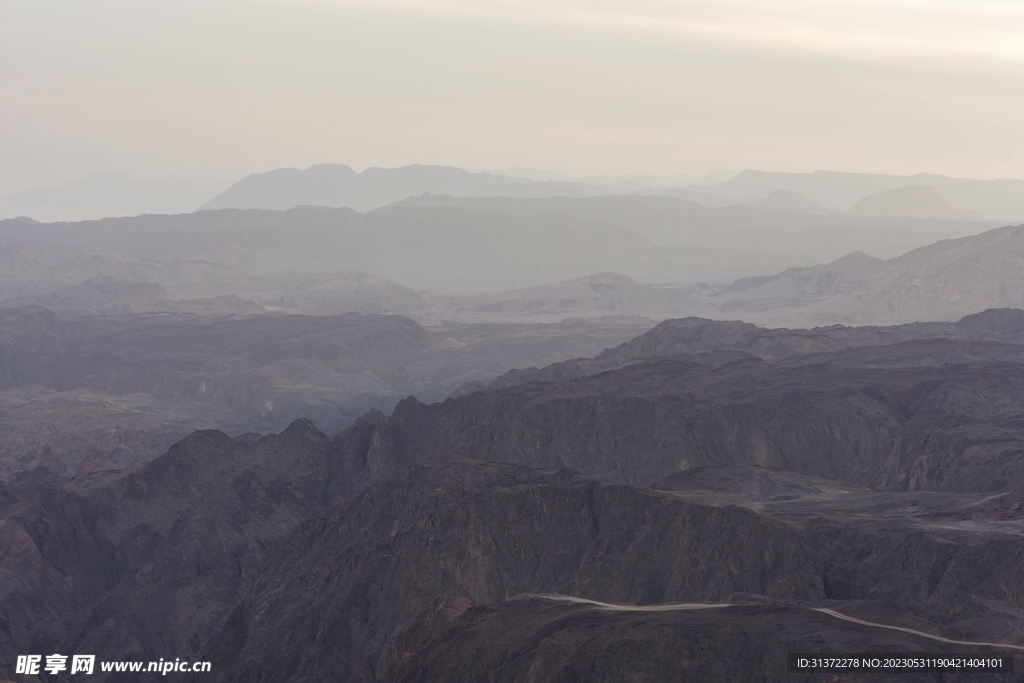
(392, 585)
(920, 415)
(880, 481)
(717, 342)
(203, 553)
(480, 533)
(65, 450)
(145, 561)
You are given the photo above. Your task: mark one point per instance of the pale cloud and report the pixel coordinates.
(213, 89)
(857, 29)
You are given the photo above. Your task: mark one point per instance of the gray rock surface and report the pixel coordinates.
(880, 481)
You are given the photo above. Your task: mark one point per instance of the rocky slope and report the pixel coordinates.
(65, 451)
(934, 415)
(149, 560)
(535, 639)
(716, 342)
(942, 281)
(802, 473)
(203, 553)
(423, 580)
(173, 373)
(479, 533)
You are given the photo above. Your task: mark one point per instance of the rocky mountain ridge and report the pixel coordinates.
(1000, 198)
(718, 342)
(805, 471)
(936, 282)
(337, 185)
(107, 386)
(203, 553)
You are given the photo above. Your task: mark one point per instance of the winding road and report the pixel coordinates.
(714, 605)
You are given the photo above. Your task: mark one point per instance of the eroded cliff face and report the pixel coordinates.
(148, 560)
(884, 481)
(204, 553)
(933, 415)
(422, 579)
(478, 533)
(714, 342)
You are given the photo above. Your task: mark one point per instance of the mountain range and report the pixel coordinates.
(810, 489)
(758, 229)
(1002, 199)
(430, 424)
(69, 381)
(115, 193)
(434, 246)
(338, 185)
(499, 243)
(942, 281)
(109, 193)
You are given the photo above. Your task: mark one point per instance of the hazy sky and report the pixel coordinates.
(217, 89)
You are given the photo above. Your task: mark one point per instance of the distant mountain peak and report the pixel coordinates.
(856, 258)
(919, 201)
(339, 186)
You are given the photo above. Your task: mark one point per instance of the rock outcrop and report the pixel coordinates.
(424, 579)
(142, 562)
(781, 472)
